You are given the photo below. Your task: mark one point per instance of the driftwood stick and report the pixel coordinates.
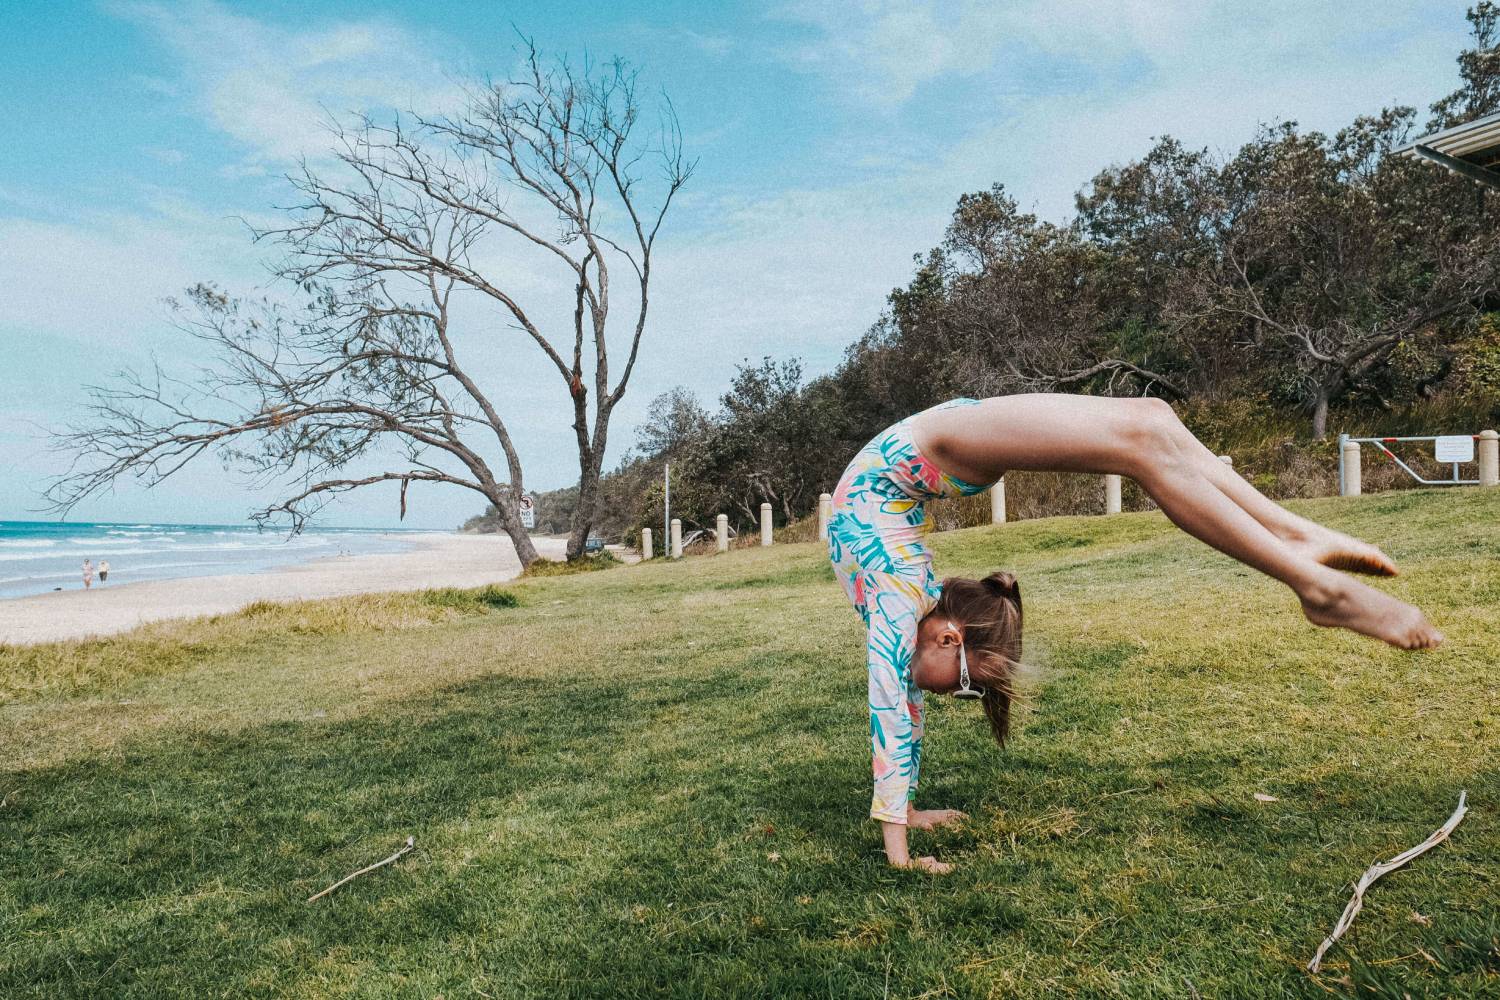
(411, 842)
(1380, 868)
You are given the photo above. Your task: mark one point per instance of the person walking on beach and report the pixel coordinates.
(103, 571)
(963, 637)
(88, 574)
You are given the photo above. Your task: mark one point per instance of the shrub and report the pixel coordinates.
(489, 597)
(583, 564)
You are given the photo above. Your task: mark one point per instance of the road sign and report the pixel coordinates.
(1454, 448)
(528, 511)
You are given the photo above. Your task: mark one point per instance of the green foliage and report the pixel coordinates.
(1476, 370)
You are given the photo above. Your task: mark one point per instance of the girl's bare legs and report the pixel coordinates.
(1323, 545)
(1141, 439)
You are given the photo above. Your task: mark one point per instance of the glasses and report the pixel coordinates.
(964, 689)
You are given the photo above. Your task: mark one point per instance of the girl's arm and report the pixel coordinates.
(895, 743)
(895, 715)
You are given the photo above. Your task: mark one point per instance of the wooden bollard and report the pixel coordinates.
(765, 524)
(1489, 458)
(997, 502)
(1350, 486)
(723, 532)
(646, 552)
(676, 538)
(825, 514)
(1111, 494)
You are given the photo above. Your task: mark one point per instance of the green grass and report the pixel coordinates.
(583, 564)
(654, 780)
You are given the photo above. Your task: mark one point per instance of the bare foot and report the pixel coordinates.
(930, 865)
(1337, 550)
(1345, 603)
(927, 819)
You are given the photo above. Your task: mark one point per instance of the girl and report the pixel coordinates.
(963, 637)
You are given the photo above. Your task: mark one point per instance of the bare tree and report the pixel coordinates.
(549, 165)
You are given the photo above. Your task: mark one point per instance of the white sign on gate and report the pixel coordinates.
(1454, 448)
(528, 511)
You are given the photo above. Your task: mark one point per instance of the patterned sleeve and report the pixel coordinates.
(895, 704)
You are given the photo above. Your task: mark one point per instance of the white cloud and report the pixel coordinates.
(1058, 89)
(714, 45)
(239, 171)
(273, 88)
(164, 155)
(879, 53)
(100, 277)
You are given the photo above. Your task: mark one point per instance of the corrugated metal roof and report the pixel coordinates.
(1477, 141)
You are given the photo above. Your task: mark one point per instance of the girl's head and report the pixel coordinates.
(984, 616)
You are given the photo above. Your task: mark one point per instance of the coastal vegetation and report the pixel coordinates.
(654, 779)
(1300, 286)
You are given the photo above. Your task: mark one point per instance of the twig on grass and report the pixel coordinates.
(1380, 868)
(411, 842)
(1127, 791)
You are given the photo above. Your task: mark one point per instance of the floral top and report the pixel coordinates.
(875, 539)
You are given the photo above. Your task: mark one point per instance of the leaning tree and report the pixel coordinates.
(368, 373)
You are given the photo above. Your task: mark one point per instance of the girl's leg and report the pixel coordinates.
(1324, 545)
(1137, 438)
(1328, 598)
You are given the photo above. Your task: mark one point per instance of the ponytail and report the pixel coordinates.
(990, 612)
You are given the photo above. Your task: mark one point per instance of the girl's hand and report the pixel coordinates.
(895, 849)
(927, 819)
(930, 865)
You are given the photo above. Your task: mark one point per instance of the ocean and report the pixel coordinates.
(41, 556)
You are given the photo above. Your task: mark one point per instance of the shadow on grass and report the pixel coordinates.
(541, 810)
(578, 836)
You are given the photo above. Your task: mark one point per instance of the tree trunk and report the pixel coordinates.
(583, 514)
(1320, 415)
(509, 514)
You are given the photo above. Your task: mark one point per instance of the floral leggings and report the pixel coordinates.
(875, 539)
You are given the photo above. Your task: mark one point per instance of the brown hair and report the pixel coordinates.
(990, 612)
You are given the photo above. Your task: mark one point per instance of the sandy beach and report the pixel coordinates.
(436, 560)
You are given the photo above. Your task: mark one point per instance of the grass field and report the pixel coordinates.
(654, 780)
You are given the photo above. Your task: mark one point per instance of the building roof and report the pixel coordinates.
(1477, 141)
(1471, 149)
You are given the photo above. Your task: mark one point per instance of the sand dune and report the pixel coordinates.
(436, 560)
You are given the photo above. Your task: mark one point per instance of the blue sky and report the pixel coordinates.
(833, 139)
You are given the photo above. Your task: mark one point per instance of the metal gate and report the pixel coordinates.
(1454, 449)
